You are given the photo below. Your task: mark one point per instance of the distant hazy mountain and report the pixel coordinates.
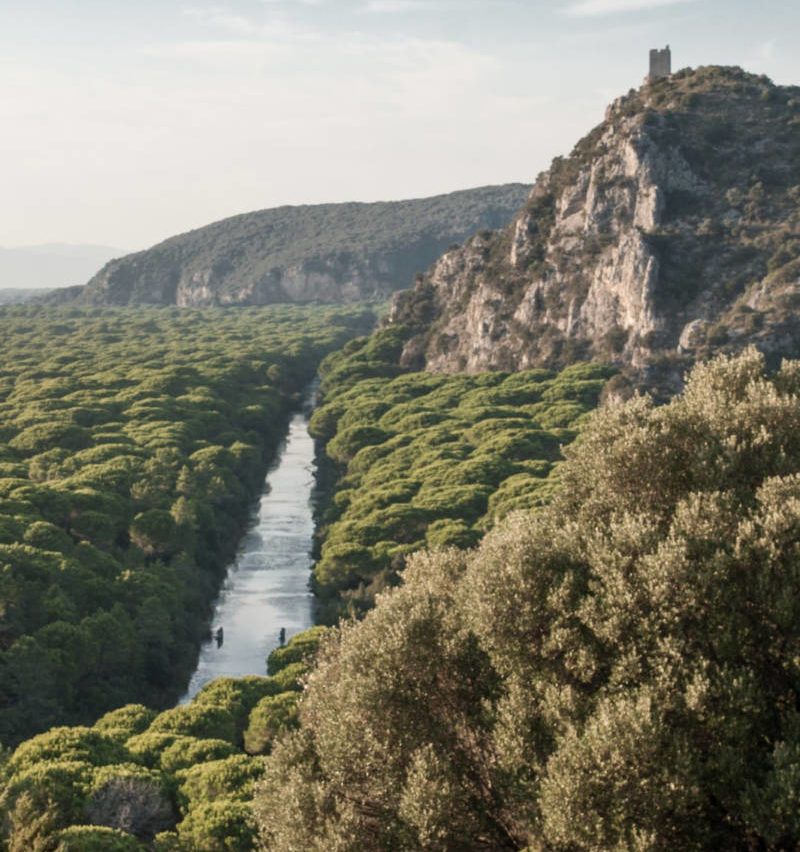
(18, 295)
(321, 252)
(52, 264)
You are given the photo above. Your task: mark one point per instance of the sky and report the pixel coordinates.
(125, 122)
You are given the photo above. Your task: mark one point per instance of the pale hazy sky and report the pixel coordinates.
(127, 121)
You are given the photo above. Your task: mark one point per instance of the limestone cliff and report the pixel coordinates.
(672, 229)
(321, 252)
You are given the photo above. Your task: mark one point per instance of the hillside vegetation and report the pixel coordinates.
(620, 670)
(132, 445)
(322, 252)
(427, 460)
(173, 781)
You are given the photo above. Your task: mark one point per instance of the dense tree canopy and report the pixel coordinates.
(428, 460)
(178, 781)
(618, 671)
(132, 444)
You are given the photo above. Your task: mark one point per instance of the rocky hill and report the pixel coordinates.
(325, 252)
(671, 230)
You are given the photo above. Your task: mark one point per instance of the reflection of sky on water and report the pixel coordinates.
(267, 586)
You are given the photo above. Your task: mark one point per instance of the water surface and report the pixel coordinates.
(267, 585)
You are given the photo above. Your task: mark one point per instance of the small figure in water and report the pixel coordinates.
(218, 636)
(283, 636)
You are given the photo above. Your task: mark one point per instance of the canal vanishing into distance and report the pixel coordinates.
(266, 588)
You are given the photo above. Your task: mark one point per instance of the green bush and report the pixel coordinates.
(231, 777)
(616, 671)
(270, 718)
(204, 721)
(300, 648)
(96, 838)
(288, 677)
(79, 743)
(222, 825)
(185, 752)
(434, 469)
(125, 722)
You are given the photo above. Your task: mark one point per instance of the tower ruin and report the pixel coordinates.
(660, 63)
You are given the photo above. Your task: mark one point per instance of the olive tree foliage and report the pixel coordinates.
(620, 671)
(394, 751)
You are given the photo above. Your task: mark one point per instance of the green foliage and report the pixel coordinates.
(447, 458)
(288, 678)
(388, 695)
(271, 717)
(81, 744)
(205, 721)
(231, 777)
(222, 825)
(300, 648)
(234, 698)
(154, 532)
(132, 444)
(188, 751)
(164, 786)
(125, 722)
(147, 747)
(30, 826)
(617, 671)
(95, 838)
(59, 786)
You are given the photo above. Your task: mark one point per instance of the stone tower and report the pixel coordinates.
(660, 63)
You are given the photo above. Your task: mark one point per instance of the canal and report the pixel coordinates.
(266, 588)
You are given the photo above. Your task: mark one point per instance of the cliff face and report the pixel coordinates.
(673, 229)
(325, 252)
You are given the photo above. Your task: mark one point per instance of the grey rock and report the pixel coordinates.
(629, 251)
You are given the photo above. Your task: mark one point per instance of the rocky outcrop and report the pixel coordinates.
(673, 229)
(325, 252)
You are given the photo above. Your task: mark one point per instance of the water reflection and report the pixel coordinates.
(265, 597)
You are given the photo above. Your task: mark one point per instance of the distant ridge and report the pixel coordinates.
(18, 295)
(323, 252)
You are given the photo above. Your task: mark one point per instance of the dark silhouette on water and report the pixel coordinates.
(218, 636)
(283, 636)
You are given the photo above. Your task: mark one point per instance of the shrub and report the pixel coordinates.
(299, 649)
(94, 838)
(222, 825)
(270, 718)
(204, 721)
(189, 751)
(125, 722)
